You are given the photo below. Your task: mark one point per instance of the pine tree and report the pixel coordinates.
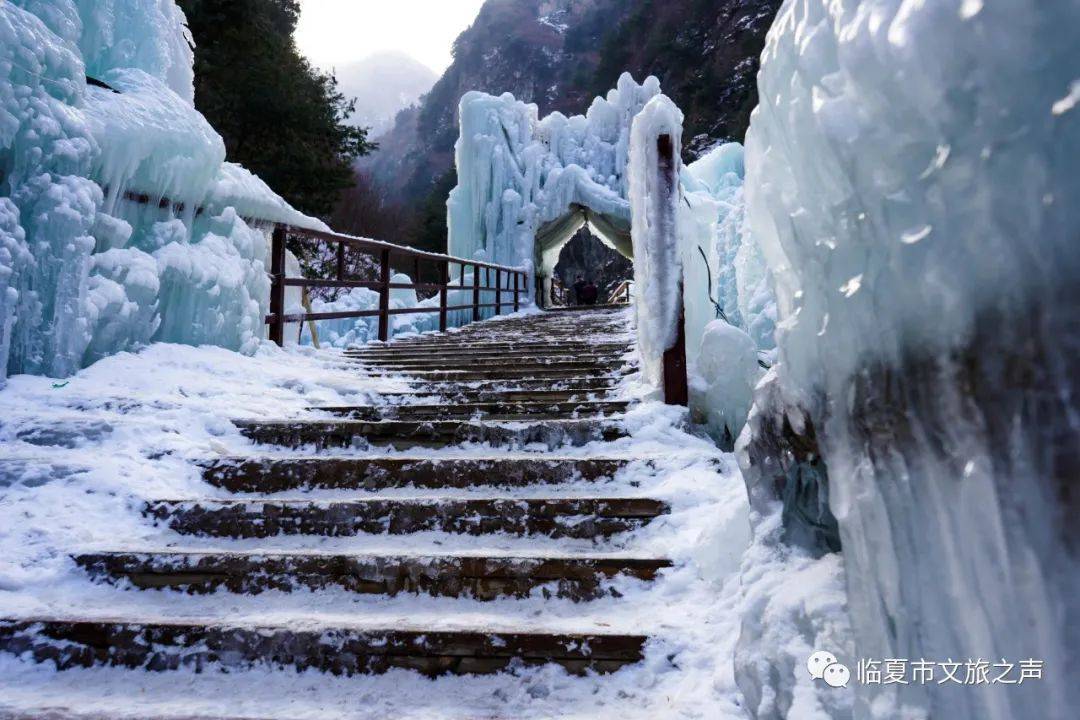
(280, 117)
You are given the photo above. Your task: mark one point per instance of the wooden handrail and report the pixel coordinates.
(386, 252)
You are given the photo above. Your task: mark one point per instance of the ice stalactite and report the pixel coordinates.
(45, 155)
(85, 270)
(526, 185)
(908, 171)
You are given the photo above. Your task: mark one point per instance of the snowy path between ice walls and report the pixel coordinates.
(78, 458)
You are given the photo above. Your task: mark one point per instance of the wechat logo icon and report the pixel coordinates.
(824, 666)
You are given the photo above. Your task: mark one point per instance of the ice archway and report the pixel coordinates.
(526, 185)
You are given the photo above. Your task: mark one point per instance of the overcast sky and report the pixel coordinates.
(334, 32)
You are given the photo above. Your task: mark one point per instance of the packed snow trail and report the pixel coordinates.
(516, 535)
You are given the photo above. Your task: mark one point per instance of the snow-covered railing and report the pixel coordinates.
(508, 281)
(621, 294)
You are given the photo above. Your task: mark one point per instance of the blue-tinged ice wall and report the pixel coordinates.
(912, 183)
(526, 185)
(84, 271)
(729, 304)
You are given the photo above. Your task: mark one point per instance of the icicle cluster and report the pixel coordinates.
(84, 270)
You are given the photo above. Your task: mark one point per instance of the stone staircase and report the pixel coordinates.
(496, 406)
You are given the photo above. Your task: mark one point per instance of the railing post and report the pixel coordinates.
(676, 390)
(498, 291)
(341, 261)
(476, 293)
(676, 386)
(517, 279)
(277, 287)
(384, 296)
(444, 281)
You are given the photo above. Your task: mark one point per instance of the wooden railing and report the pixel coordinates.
(621, 293)
(389, 255)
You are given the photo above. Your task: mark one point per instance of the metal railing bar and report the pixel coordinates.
(401, 250)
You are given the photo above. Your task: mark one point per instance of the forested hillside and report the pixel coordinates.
(278, 115)
(560, 54)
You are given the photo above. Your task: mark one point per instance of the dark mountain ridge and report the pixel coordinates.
(560, 54)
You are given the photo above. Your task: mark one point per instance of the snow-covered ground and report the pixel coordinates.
(78, 458)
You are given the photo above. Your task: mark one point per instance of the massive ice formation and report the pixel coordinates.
(526, 185)
(911, 181)
(730, 307)
(84, 269)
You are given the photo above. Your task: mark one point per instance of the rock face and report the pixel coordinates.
(560, 54)
(585, 255)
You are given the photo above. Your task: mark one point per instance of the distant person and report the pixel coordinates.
(588, 293)
(578, 288)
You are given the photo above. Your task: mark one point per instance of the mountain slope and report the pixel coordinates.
(383, 84)
(560, 54)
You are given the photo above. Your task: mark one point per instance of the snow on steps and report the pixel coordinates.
(341, 644)
(476, 576)
(403, 435)
(157, 644)
(501, 412)
(553, 517)
(372, 474)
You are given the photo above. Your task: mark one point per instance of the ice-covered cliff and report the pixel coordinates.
(120, 220)
(911, 181)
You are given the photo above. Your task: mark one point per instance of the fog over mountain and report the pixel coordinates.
(383, 83)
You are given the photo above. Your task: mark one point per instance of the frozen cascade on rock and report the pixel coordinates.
(85, 272)
(910, 182)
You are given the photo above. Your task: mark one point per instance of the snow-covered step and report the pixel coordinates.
(579, 517)
(578, 383)
(519, 365)
(473, 576)
(404, 434)
(493, 346)
(425, 355)
(535, 345)
(482, 371)
(159, 644)
(270, 475)
(498, 411)
(465, 393)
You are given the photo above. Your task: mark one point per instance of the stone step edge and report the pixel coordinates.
(342, 650)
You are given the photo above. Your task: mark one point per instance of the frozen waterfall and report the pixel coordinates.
(85, 271)
(911, 179)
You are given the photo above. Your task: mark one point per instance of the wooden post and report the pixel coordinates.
(444, 280)
(676, 390)
(517, 279)
(341, 261)
(498, 291)
(277, 286)
(476, 293)
(384, 296)
(676, 386)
